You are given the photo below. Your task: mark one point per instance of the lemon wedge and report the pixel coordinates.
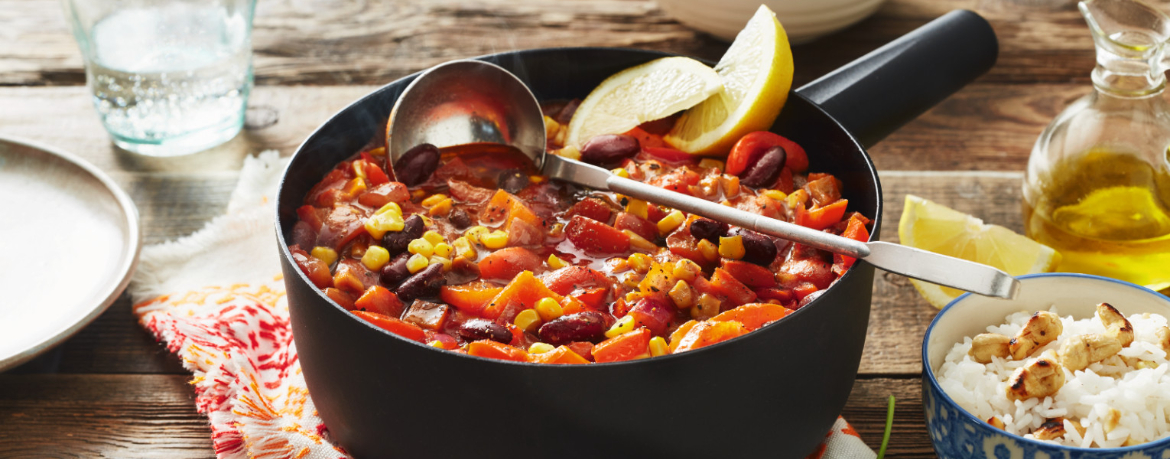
(936, 228)
(757, 74)
(646, 92)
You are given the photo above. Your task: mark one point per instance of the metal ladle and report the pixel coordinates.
(470, 101)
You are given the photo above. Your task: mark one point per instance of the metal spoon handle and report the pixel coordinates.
(907, 261)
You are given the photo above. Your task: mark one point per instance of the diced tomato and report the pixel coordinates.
(455, 168)
(655, 213)
(707, 333)
(467, 192)
(522, 233)
(506, 263)
(314, 216)
(493, 350)
(496, 209)
(856, 231)
(469, 297)
(444, 341)
(316, 270)
(561, 355)
(378, 299)
(596, 237)
(393, 325)
(565, 280)
(342, 299)
(378, 195)
(752, 146)
(582, 348)
(753, 315)
(679, 180)
(592, 208)
(520, 294)
(645, 138)
(752, 275)
(343, 224)
(638, 225)
(824, 190)
(594, 297)
(736, 292)
(373, 172)
(571, 305)
(821, 217)
(331, 183)
(804, 289)
(627, 346)
(303, 235)
(653, 314)
(518, 211)
(681, 243)
(785, 182)
(667, 155)
(815, 271)
(779, 294)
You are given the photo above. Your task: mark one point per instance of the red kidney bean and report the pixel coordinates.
(422, 284)
(766, 169)
(512, 180)
(582, 326)
(757, 248)
(417, 164)
(394, 272)
(459, 218)
(395, 242)
(477, 329)
(711, 230)
(609, 149)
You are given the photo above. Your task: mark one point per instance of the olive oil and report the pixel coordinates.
(1108, 214)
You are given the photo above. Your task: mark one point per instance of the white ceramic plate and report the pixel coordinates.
(69, 241)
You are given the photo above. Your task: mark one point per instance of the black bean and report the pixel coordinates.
(711, 230)
(609, 149)
(757, 248)
(417, 164)
(459, 218)
(422, 284)
(395, 242)
(394, 272)
(512, 180)
(766, 169)
(477, 329)
(582, 326)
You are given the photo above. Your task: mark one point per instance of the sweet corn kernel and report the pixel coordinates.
(640, 262)
(436, 343)
(422, 247)
(548, 309)
(727, 203)
(731, 247)
(535, 178)
(618, 265)
(550, 127)
(686, 270)
(682, 295)
(527, 320)
(709, 250)
(638, 207)
(390, 207)
(775, 194)
(325, 254)
(358, 170)
(358, 249)
(730, 184)
(433, 199)
(433, 237)
(473, 234)
(417, 194)
(540, 348)
(658, 346)
(378, 224)
(634, 296)
(557, 231)
(568, 152)
(426, 220)
(621, 172)
(416, 263)
(670, 222)
(375, 257)
(640, 243)
(443, 249)
(437, 260)
(705, 308)
(494, 240)
(709, 163)
(442, 208)
(556, 263)
(797, 198)
(380, 151)
(630, 280)
(623, 325)
(463, 249)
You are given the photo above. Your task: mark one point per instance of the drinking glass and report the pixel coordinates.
(168, 77)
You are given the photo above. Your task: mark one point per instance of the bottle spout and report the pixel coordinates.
(1131, 40)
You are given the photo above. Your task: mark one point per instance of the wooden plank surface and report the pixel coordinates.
(372, 42)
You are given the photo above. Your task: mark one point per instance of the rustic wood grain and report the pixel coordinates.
(148, 416)
(373, 42)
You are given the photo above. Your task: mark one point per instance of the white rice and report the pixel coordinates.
(1142, 396)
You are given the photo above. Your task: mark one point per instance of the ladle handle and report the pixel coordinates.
(879, 92)
(742, 219)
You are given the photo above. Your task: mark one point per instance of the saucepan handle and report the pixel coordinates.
(879, 92)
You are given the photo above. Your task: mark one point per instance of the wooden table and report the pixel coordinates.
(113, 391)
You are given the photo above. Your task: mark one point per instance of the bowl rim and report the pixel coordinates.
(287, 255)
(928, 372)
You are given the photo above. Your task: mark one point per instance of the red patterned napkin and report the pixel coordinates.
(213, 299)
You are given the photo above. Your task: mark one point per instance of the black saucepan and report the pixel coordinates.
(772, 393)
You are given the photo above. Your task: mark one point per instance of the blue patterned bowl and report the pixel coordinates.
(957, 434)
